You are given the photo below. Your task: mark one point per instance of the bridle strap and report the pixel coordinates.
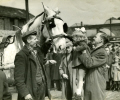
(1, 59)
(35, 18)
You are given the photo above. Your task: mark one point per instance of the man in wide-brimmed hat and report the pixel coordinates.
(30, 75)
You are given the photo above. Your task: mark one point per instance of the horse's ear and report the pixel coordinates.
(65, 27)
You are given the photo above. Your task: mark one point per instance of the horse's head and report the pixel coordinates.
(50, 26)
(56, 28)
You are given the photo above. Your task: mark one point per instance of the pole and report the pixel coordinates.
(27, 10)
(110, 28)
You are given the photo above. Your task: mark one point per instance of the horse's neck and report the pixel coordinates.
(18, 45)
(37, 23)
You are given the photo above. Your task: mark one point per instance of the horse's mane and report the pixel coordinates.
(19, 42)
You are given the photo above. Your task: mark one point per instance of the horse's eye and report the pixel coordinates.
(50, 22)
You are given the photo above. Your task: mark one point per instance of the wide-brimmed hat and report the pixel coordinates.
(33, 32)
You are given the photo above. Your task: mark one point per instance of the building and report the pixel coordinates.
(112, 24)
(11, 16)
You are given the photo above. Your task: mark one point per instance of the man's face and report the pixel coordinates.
(116, 47)
(69, 49)
(97, 39)
(110, 47)
(32, 40)
(107, 50)
(11, 39)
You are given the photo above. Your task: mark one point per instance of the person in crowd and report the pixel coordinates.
(116, 49)
(107, 68)
(115, 71)
(55, 75)
(110, 46)
(66, 72)
(78, 71)
(53, 70)
(110, 57)
(79, 44)
(30, 75)
(4, 94)
(95, 62)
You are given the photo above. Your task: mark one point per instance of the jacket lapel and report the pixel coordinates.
(28, 53)
(67, 60)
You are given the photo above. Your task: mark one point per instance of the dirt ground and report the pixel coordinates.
(56, 95)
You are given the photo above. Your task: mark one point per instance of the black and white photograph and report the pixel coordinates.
(59, 49)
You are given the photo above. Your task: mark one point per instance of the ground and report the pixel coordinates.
(56, 95)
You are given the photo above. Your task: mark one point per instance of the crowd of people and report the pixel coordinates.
(92, 68)
(113, 66)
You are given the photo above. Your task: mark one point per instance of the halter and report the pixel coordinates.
(56, 36)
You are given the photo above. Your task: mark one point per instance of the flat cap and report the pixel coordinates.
(33, 32)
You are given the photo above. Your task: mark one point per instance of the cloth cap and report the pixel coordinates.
(33, 32)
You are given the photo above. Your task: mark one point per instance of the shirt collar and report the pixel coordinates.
(29, 48)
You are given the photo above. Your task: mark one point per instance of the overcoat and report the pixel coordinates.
(95, 82)
(4, 94)
(67, 84)
(25, 72)
(55, 67)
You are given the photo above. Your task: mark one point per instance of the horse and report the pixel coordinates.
(50, 26)
(9, 46)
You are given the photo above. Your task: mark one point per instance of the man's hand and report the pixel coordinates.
(50, 62)
(74, 48)
(65, 76)
(28, 97)
(107, 66)
(84, 51)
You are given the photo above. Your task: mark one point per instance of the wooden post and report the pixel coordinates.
(27, 10)
(110, 28)
(16, 23)
(81, 24)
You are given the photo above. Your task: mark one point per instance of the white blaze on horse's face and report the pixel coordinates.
(60, 43)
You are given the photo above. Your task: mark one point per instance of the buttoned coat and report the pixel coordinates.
(25, 72)
(95, 82)
(66, 68)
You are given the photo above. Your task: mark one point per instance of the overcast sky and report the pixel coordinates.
(73, 11)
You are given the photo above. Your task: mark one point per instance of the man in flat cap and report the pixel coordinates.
(30, 75)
